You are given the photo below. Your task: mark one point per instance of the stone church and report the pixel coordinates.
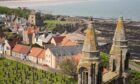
(89, 67)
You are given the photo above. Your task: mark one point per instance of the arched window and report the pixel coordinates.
(114, 65)
(127, 61)
(84, 75)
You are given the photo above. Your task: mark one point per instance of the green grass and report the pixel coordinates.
(135, 77)
(51, 24)
(12, 72)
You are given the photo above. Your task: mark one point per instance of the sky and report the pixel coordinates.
(99, 8)
(23, 3)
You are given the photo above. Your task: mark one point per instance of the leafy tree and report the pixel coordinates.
(69, 67)
(17, 11)
(105, 59)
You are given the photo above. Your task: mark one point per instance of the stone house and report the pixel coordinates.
(67, 42)
(43, 39)
(21, 51)
(56, 54)
(56, 40)
(49, 40)
(29, 34)
(37, 55)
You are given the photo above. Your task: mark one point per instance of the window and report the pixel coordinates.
(114, 65)
(85, 77)
(126, 61)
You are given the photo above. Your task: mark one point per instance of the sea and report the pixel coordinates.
(129, 9)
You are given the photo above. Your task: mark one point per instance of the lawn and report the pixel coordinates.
(12, 72)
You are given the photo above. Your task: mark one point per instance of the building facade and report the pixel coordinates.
(21, 51)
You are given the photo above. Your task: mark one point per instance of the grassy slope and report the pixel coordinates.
(135, 77)
(51, 24)
(11, 71)
(135, 64)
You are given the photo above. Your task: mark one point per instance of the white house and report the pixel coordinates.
(7, 48)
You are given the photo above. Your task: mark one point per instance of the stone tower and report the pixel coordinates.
(32, 18)
(119, 54)
(89, 71)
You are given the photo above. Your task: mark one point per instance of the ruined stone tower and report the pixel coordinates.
(89, 66)
(32, 18)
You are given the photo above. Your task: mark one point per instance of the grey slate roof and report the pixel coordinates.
(66, 50)
(48, 38)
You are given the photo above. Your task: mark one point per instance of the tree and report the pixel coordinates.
(105, 59)
(69, 67)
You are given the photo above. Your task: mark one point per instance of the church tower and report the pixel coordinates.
(119, 54)
(89, 71)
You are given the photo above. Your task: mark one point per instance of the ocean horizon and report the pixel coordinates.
(129, 9)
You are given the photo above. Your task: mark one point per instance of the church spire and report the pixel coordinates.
(119, 50)
(89, 71)
(120, 31)
(90, 42)
(119, 39)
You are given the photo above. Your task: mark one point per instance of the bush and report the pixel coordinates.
(105, 59)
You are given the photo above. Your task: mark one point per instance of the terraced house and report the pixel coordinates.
(21, 51)
(37, 55)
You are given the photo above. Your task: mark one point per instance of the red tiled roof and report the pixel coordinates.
(37, 52)
(67, 42)
(21, 49)
(42, 54)
(58, 39)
